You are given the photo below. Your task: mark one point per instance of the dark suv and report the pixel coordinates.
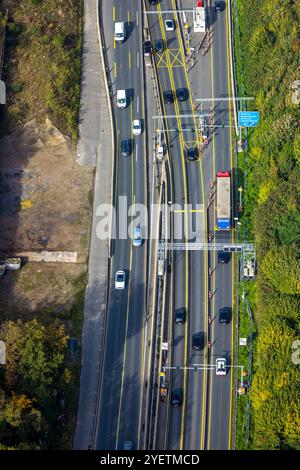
(219, 6)
(168, 96)
(192, 153)
(125, 148)
(225, 315)
(159, 45)
(182, 94)
(198, 341)
(180, 316)
(177, 397)
(223, 257)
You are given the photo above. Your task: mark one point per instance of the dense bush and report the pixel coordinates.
(31, 384)
(270, 46)
(43, 55)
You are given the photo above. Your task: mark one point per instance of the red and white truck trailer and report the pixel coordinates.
(223, 200)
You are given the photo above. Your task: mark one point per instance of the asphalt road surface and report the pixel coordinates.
(204, 420)
(119, 417)
(186, 422)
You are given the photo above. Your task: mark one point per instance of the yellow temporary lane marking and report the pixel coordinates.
(129, 60)
(176, 56)
(162, 60)
(186, 222)
(127, 309)
(214, 225)
(205, 252)
(115, 69)
(114, 13)
(190, 143)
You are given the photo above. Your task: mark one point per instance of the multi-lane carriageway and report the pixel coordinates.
(204, 419)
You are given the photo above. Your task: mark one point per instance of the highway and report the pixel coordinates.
(204, 421)
(119, 414)
(185, 423)
(219, 432)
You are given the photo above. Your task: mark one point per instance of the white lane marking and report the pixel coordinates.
(137, 104)
(138, 59)
(136, 151)
(137, 18)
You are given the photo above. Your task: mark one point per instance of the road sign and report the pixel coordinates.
(248, 118)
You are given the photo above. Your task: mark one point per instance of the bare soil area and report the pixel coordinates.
(45, 204)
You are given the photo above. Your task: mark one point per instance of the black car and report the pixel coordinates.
(225, 315)
(198, 341)
(223, 257)
(180, 316)
(219, 6)
(147, 47)
(177, 397)
(159, 45)
(125, 148)
(154, 2)
(192, 153)
(182, 94)
(168, 96)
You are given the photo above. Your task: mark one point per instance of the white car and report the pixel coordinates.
(169, 25)
(137, 127)
(221, 366)
(121, 99)
(120, 280)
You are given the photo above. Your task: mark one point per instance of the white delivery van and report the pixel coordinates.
(119, 32)
(121, 99)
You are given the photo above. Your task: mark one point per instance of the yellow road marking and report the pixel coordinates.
(115, 69)
(129, 60)
(162, 58)
(205, 253)
(214, 262)
(185, 220)
(114, 13)
(114, 43)
(176, 60)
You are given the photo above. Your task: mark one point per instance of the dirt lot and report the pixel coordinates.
(45, 204)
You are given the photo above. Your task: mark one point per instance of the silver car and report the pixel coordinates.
(137, 239)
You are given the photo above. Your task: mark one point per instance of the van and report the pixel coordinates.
(121, 99)
(119, 31)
